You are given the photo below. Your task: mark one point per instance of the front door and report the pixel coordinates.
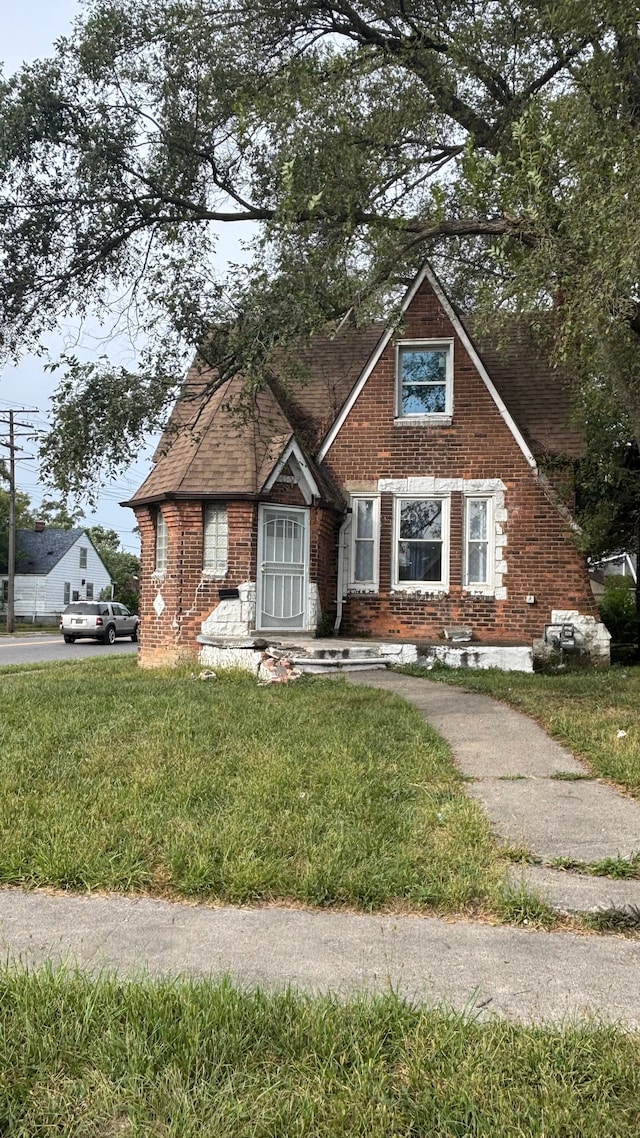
(283, 567)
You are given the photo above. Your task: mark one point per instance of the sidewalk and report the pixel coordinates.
(491, 970)
(514, 766)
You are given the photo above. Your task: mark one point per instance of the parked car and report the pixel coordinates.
(98, 620)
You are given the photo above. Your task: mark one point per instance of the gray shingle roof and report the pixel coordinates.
(37, 553)
(209, 451)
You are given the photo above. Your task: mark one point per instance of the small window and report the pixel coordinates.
(216, 539)
(89, 591)
(66, 596)
(364, 542)
(425, 380)
(478, 544)
(83, 557)
(162, 543)
(422, 543)
(75, 596)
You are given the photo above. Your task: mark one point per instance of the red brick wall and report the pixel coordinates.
(188, 595)
(541, 554)
(324, 558)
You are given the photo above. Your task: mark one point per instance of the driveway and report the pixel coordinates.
(45, 647)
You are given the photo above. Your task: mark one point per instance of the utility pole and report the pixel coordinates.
(11, 536)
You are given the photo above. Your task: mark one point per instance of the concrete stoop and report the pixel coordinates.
(320, 656)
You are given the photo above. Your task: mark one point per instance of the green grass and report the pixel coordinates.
(116, 778)
(618, 868)
(583, 709)
(202, 1060)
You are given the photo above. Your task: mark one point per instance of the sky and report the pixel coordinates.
(28, 30)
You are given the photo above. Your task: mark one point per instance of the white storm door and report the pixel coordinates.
(283, 567)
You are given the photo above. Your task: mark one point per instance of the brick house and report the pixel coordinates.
(393, 493)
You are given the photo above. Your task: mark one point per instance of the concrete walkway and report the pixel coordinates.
(516, 772)
(490, 970)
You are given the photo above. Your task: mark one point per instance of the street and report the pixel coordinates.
(45, 647)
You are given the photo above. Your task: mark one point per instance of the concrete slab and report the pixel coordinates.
(489, 739)
(569, 892)
(522, 975)
(584, 821)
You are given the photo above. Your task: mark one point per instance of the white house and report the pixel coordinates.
(53, 567)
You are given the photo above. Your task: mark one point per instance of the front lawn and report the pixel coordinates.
(587, 710)
(112, 777)
(203, 1060)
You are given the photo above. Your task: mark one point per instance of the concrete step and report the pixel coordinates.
(322, 664)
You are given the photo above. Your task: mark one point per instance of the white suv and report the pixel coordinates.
(98, 620)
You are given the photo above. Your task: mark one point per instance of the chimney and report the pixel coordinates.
(39, 526)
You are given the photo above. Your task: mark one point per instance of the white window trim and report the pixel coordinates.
(221, 568)
(444, 418)
(365, 586)
(399, 586)
(476, 587)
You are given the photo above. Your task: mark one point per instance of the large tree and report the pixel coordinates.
(358, 138)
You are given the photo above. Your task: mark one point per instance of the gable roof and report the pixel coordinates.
(210, 451)
(427, 274)
(539, 396)
(37, 553)
(205, 447)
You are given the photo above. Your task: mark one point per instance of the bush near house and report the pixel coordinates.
(618, 610)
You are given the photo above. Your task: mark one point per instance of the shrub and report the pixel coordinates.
(618, 609)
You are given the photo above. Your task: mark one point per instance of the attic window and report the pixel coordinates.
(83, 557)
(425, 381)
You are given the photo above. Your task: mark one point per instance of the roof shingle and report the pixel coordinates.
(209, 449)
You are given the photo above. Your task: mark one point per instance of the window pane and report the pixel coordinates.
(420, 561)
(364, 561)
(478, 563)
(364, 517)
(428, 400)
(424, 365)
(162, 542)
(215, 554)
(421, 519)
(477, 520)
